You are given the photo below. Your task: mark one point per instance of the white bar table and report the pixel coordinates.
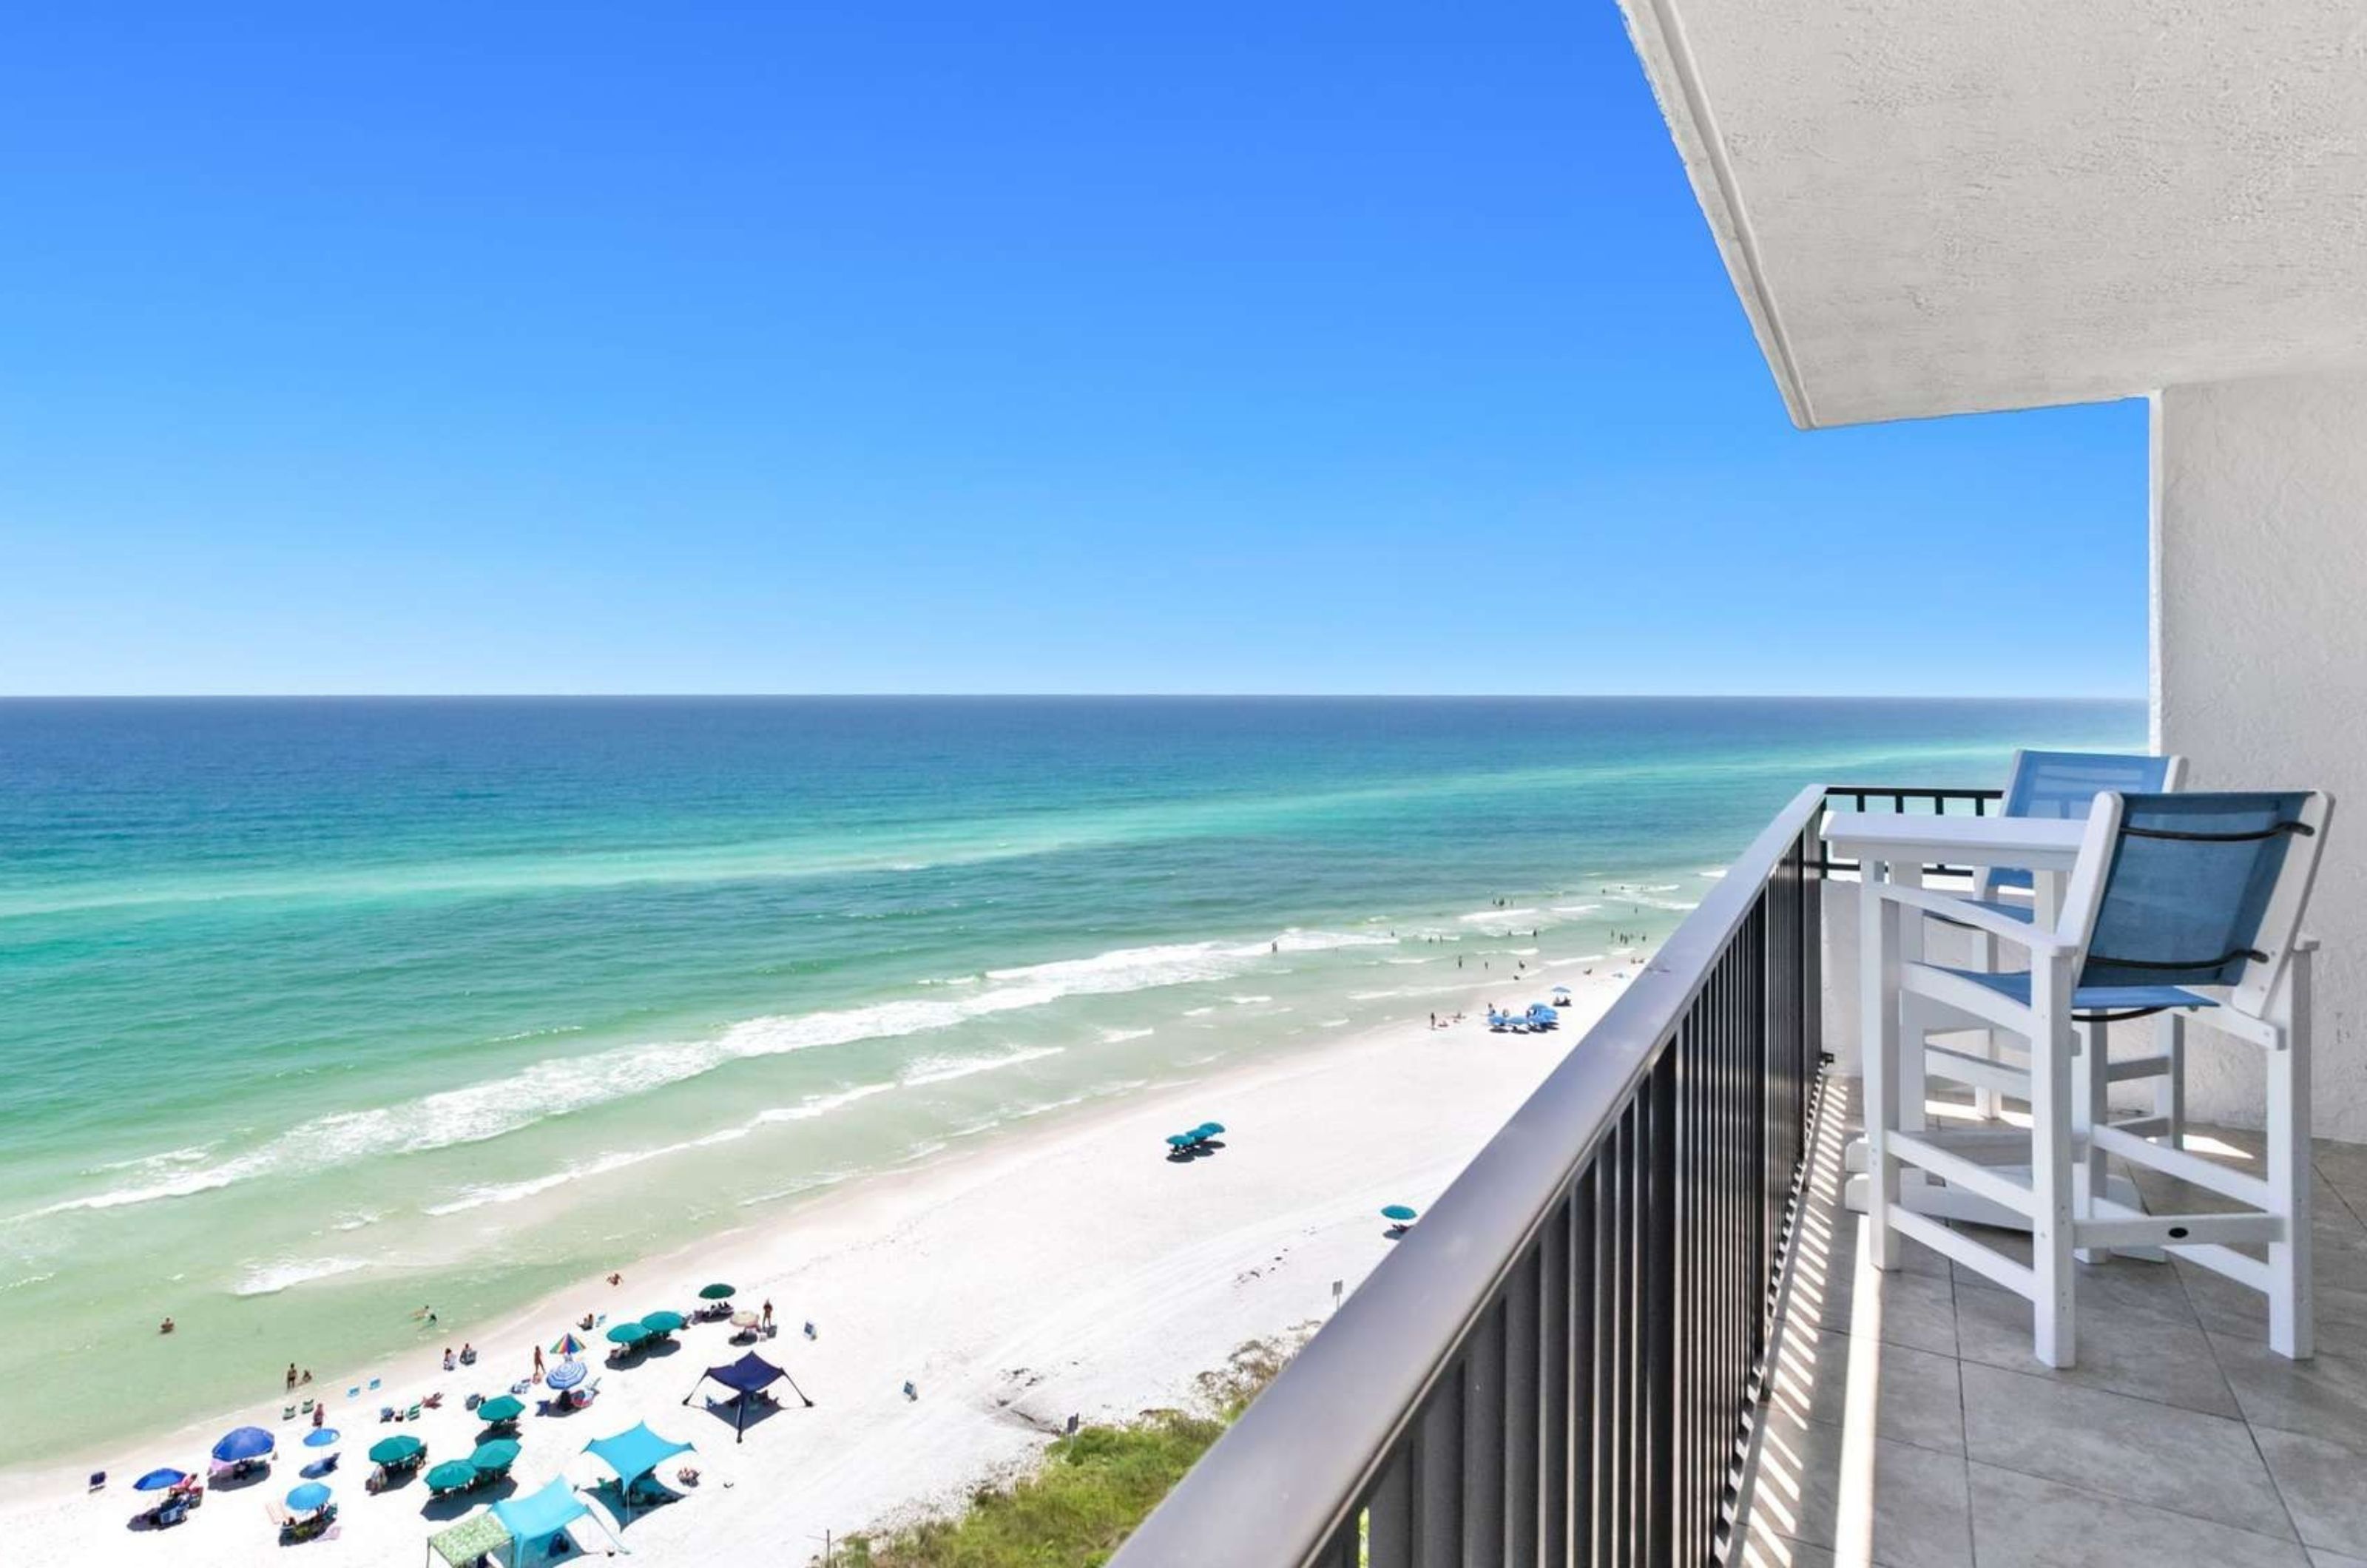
(1894, 847)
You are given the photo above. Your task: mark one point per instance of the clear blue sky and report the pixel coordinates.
(952, 347)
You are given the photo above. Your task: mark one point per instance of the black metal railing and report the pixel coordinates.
(1890, 798)
(1561, 1363)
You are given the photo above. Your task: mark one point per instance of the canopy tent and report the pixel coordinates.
(469, 1540)
(749, 1375)
(534, 1518)
(632, 1454)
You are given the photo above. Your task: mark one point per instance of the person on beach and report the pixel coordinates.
(616, 1279)
(306, 1378)
(537, 1363)
(320, 1412)
(292, 1374)
(468, 1354)
(768, 1315)
(449, 1363)
(166, 1326)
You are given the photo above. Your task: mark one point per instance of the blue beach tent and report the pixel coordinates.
(749, 1375)
(534, 1518)
(633, 1454)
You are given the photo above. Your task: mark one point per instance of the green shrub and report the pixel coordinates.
(1076, 1507)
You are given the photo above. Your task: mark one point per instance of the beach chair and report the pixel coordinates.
(2190, 903)
(2063, 786)
(412, 1414)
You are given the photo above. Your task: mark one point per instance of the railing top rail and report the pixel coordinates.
(1305, 1453)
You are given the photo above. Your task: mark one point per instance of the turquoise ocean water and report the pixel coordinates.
(313, 1012)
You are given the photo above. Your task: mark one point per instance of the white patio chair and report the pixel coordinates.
(2063, 786)
(2184, 902)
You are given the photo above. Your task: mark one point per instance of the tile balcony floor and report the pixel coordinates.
(1909, 1424)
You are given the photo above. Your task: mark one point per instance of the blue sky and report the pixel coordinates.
(953, 348)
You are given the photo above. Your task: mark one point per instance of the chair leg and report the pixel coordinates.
(1878, 981)
(2292, 1309)
(2170, 1090)
(2054, 1329)
(2089, 1109)
(1987, 1102)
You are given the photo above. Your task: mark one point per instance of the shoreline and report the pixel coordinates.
(1120, 1304)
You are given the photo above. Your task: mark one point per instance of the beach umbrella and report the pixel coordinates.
(664, 1322)
(245, 1443)
(451, 1475)
(744, 1319)
(396, 1450)
(158, 1480)
(500, 1408)
(311, 1498)
(716, 1292)
(567, 1374)
(1179, 1140)
(320, 1437)
(1398, 1212)
(1212, 1128)
(568, 1344)
(499, 1454)
(628, 1333)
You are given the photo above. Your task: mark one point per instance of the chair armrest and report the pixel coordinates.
(2023, 933)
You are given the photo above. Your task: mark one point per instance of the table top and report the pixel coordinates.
(2039, 844)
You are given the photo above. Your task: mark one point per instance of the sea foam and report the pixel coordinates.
(559, 1085)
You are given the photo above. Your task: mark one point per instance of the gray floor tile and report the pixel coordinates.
(2022, 1521)
(2132, 1449)
(2125, 1352)
(1921, 1509)
(1918, 1311)
(2242, 1313)
(2323, 1485)
(1916, 1396)
(2324, 1398)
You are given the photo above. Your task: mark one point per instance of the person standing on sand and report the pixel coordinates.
(768, 1315)
(537, 1363)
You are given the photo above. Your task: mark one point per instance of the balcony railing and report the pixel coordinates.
(1562, 1362)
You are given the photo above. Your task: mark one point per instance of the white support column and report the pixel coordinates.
(2260, 671)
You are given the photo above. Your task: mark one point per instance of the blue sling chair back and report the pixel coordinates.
(2182, 905)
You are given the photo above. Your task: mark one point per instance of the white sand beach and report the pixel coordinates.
(1068, 1269)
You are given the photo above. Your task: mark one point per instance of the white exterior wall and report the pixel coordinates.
(2260, 668)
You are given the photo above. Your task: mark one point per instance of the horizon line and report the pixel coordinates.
(1076, 696)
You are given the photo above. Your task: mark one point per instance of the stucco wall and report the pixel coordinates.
(2259, 654)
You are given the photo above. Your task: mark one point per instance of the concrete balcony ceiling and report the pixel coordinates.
(1932, 207)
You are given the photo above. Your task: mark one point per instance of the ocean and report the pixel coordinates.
(315, 1011)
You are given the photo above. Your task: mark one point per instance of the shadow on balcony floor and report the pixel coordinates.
(1909, 1424)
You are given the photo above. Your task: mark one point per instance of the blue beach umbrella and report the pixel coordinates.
(1212, 1128)
(1400, 1214)
(320, 1437)
(158, 1480)
(565, 1375)
(246, 1442)
(309, 1497)
(1179, 1140)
